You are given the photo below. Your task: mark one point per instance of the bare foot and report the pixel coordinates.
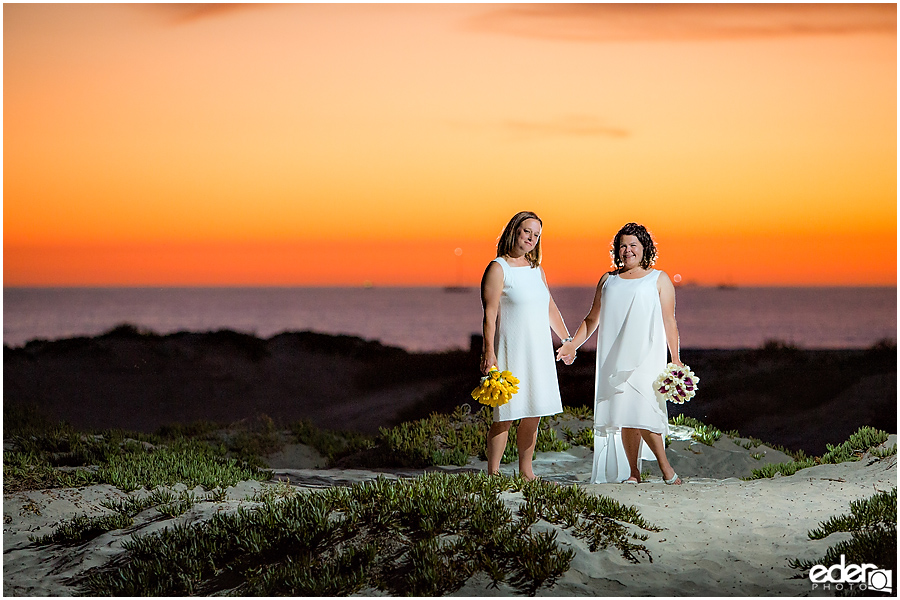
(633, 480)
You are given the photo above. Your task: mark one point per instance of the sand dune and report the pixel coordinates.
(722, 536)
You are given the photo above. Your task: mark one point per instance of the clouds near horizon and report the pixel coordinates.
(685, 22)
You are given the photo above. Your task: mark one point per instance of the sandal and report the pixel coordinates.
(672, 481)
(632, 481)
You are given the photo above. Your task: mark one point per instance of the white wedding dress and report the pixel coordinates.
(631, 353)
(524, 346)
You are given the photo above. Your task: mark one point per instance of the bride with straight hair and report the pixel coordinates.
(519, 314)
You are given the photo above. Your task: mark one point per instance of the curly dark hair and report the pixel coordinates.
(643, 236)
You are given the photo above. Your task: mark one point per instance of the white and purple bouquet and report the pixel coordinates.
(676, 384)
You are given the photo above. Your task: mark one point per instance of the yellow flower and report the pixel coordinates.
(496, 388)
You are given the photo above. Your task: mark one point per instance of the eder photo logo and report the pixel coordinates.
(852, 577)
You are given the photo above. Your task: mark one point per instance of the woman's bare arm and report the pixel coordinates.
(491, 290)
(566, 352)
(667, 301)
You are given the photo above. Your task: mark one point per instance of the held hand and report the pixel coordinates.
(566, 353)
(677, 360)
(488, 360)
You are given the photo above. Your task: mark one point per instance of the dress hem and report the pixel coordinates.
(528, 417)
(620, 427)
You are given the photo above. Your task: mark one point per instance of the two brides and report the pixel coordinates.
(634, 308)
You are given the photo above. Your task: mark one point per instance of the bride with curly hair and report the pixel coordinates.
(634, 308)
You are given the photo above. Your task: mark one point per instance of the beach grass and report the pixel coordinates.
(247, 440)
(450, 439)
(190, 462)
(703, 433)
(583, 437)
(331, 444)
(872, 524)
(709, 435)
(82, 527)
(864, 440)
(44, 456)
(423, 537)
(214, 456)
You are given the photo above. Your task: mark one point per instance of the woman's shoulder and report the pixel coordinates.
(607, 275)
(604, 279)
(495, 268)
(662, 279)
(498, 263)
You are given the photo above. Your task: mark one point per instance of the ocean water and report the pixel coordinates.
(434, 319)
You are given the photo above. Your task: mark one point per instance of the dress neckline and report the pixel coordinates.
(513, 266)
(649, 273)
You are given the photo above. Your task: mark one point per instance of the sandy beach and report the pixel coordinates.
(721, 536)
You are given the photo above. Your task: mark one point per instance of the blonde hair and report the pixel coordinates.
(507, 239)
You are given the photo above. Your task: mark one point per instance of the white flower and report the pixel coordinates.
(677, 384)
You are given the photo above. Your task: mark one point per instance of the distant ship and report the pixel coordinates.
(456, 289)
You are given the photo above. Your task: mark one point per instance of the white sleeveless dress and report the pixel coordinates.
(631, 353)
(524, 346)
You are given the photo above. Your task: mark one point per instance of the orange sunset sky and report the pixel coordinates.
(340, 144)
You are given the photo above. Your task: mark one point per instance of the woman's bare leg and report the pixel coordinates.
(631, 442)
(526, 439)
(658, 447)
(496, 444)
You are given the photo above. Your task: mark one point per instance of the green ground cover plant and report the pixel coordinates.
(872, 523)
(703, 433)
(331, 444)
(452, 439)
(864, 440)
(709, 435)
(422, 537)
(582, 437)
(579, 412)
(82, 527)
(442, 439)
(247, 440)
(46, 456)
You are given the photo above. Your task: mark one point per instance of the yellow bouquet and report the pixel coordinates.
(496, 388)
